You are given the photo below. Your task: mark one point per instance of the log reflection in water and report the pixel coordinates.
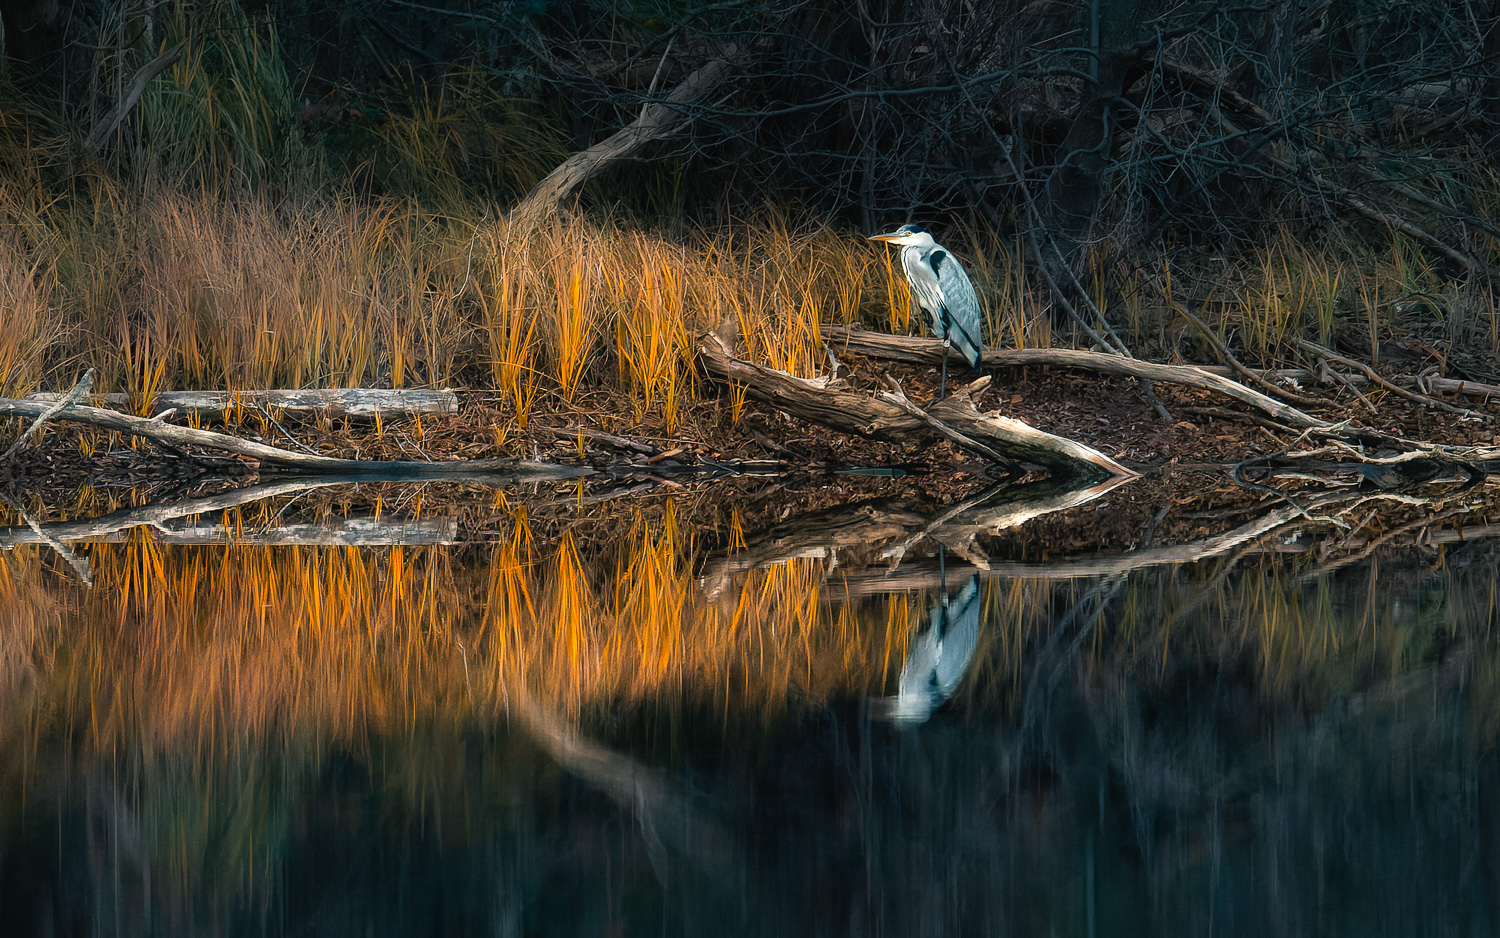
(892, 529)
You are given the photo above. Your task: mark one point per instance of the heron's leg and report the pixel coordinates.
(943, 384)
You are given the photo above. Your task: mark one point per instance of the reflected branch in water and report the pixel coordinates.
(892, 529)
(355, 532)
(664, 811)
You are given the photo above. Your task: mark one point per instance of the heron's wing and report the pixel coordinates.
(963, 320)
(925, 288)
(921, 662)
(916, 696)
(960, 637)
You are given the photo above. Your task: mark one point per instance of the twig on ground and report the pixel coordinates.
(1370, 373)
(1329, 376)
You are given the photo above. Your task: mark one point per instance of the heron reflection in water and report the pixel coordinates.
(939, 658)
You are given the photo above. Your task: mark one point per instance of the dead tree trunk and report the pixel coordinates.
(657, 121)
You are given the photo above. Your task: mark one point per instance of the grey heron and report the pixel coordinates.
(942, 289)
(939, 658)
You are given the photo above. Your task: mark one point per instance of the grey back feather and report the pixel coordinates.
(943, 290)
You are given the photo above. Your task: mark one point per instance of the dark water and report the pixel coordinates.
(675, 731)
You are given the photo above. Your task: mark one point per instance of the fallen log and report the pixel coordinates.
(921, 350)
(1485, 392)
(330, 402)
(171, 435)
(888, 416)
(343, 532)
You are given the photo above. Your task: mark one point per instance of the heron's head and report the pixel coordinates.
(913, 235)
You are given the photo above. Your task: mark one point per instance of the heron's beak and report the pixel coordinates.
(891, 236)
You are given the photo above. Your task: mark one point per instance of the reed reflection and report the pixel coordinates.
(563, 734)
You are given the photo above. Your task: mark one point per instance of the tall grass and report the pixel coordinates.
(222, 116)
(180, 290)
(33, 324)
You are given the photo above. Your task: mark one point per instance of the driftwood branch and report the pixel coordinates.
(899, 398)
(656, 122)
(930, 351)
(81, 565)
(116, 114)
(822, 401)
(84, 385)
(330, 402)
(180, 437)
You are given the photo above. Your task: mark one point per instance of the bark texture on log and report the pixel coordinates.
(331, 402)
(930, 351)
(881, 417)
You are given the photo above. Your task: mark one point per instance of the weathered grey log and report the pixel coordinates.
(1466, 388)
(822, 401)
(921, 350)
(176, 436)
(331, 402)
(342, 532)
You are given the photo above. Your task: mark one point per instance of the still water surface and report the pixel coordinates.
(667, 729)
